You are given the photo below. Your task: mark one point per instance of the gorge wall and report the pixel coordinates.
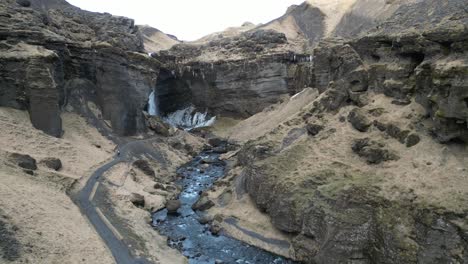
(234, 76)
(373, 169)
(54, 54)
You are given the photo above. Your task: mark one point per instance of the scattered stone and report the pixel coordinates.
(380, 126)
(144, 166)
(396, 132)
(412, 140)
(374, 152)
(359, 121)
(172, 206)
(23, 3)
(203, 204)
(138, 200)
(52, 163)
(30, 172)
(160, 186)
(314, 129)
(24, 161)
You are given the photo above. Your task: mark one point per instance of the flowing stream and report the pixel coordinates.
(194, 239)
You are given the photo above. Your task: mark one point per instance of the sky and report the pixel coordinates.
(191, 19)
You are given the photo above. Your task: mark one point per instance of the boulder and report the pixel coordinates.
(158, 126)
(172, 206)
(24, 161)
(52, 163)
(359, 120)
(203, 204)
(412, 140)
(374, 152)
(314, 129)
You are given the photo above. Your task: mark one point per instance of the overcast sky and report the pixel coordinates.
(191, 19)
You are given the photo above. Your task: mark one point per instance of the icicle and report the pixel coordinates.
(153, 105)
(188, 119)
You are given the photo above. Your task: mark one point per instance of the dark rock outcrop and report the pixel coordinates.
(54, 54)
(145, 167)
(404, 64)
(374, 152)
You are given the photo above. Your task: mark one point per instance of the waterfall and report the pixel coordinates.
(153, 104)
(188, 119)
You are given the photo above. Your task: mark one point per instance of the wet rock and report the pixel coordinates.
(215, 228)
(210, 160)
(24, 161)
(203, 204)
(138, 200)
(412, 140)
(314, 129)
(359, 120)
(52, 163)
(23, 3)
(205, 219)
(144, 166)
(172, 206)
(216, 142)
(374, 152)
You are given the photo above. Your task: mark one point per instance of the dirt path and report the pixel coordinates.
(85, 201)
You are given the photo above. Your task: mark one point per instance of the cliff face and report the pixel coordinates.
(371, 170)
(54, 56)
(235, 76)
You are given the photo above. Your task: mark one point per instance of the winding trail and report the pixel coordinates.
(85, 201)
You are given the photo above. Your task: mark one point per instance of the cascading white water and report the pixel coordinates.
(188, 119)
(153, 105)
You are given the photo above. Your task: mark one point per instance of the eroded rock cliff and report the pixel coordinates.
(372, 169)
(54, 53)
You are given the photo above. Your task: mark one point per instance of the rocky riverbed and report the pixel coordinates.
(196, 236)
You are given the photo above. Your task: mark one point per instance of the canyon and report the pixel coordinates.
(342, 127)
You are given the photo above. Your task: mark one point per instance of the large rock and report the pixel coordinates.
(172, 206)
(156, 124)
(52, 163)
(24, 161)
(358, 119)
(203, 204)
